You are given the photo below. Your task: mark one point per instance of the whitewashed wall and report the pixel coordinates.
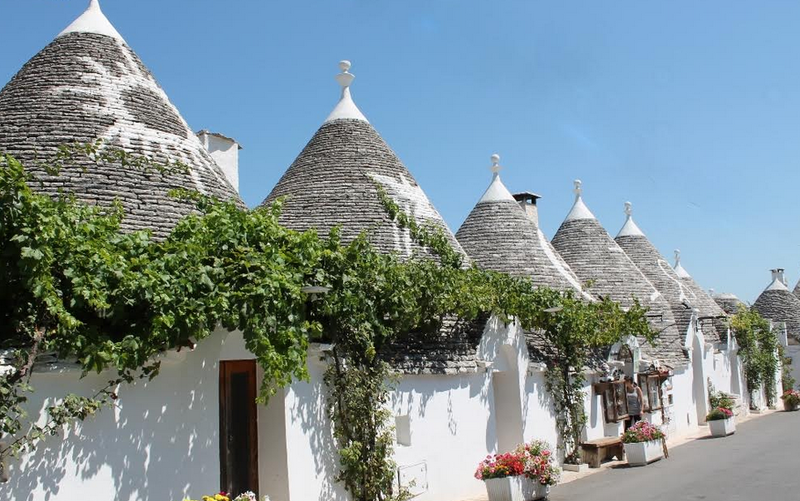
(451, 430)
(160, 440)
(793, 352)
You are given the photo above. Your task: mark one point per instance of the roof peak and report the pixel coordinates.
(92, 21)
(630, 228)
(679, 269)
(579, 209)
(346, 108)
(497, 191)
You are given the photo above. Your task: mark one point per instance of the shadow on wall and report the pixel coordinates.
(307, 407)
(161, 438)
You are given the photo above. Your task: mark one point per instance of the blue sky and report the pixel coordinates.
(690, 110)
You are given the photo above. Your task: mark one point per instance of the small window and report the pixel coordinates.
(615, 402)
(402, 428)
(651, 391)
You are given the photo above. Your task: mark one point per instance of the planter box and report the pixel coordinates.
(642, 453)
(515, 489)
(722, 427)
(579, 468)
(788, 407)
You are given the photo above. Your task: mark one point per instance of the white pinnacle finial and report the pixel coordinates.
(92, 21)
(345, 78)
(497, 191)
(682, 273)
(496, 164)
(579, 209)
(630, 228)
(346, 108)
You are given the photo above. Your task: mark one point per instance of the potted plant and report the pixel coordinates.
(721, 422)
(521, 475)
(643, 443)
(224, 496)
(791, 400)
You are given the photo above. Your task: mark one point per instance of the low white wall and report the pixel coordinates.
(159, 440)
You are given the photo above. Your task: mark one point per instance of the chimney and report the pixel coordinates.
(527, 201)
(778, 273)
(225, 152)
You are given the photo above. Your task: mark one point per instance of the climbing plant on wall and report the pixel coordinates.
(759, 350)
(73, 286)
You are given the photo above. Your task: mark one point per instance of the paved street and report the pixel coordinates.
(761, 461)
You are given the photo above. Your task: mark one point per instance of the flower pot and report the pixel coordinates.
(642, 453)
(515, 489)
(579, 468)
(722, 427)
(790, 407)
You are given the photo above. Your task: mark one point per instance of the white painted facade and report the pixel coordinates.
(162, 439)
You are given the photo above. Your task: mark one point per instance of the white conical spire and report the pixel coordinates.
(579, 209)
(630, 228)
(496, 191)
(93, 21)
(679, 270)
(345, 108)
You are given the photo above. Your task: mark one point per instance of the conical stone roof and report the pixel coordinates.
(796, 290)
(729, 303)
(599, 261)
(777, 303)
(499, 236)
(335, 179)
(677, 292)
(86, 85)
(713, 315)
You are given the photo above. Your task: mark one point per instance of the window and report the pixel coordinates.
(651, 391)
(615, 403)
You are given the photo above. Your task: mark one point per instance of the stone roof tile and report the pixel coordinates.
(87, 85)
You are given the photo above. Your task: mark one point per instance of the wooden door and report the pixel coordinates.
(238, 427)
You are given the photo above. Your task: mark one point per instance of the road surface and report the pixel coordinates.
(760, 462)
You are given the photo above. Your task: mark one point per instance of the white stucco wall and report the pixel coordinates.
(452, 430)
(793, 352)
(311, 451)
(538, 410)
(161, 438)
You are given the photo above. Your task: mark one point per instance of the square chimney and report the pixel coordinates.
(527, 201)
(225, 152)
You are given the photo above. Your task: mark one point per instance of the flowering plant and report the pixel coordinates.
(791, 397)
(224, 496)
(642, 432)
(533, 460)
(719, 413)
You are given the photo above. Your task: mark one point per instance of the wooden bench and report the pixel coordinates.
(596, 451)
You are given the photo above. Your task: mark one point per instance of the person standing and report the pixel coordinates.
(635, 399)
